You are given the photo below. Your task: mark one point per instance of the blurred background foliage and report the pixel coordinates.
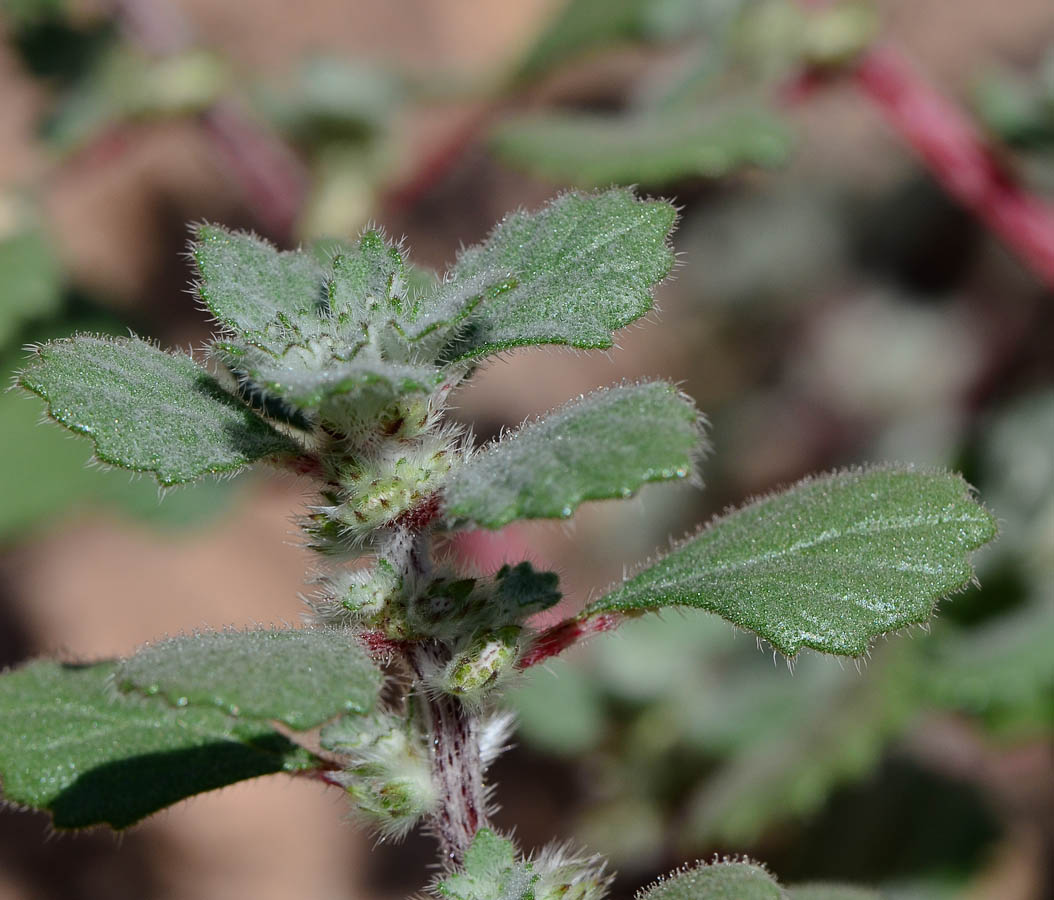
(835, 305)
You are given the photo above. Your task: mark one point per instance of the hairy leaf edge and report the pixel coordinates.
(594, 608)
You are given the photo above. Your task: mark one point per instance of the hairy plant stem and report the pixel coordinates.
(457, 769)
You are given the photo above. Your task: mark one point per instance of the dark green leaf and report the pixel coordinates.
(572, 273)
(828, 564)
(68, 746)
(302, 677)
(605, 445)
(148, 410)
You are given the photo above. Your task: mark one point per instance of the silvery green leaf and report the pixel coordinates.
(368, 281)
(148, 410)
(247, 284)
(310, 376)
(608, 444)
(68, 745)
(572, 273)
(828, 564)
(301, 677)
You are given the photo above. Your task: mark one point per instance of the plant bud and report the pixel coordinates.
(473, 671)
(565, 877)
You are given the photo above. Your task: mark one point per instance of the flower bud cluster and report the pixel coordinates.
(388, 773)
(565, 876)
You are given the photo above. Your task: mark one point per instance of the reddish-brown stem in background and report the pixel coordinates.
(273, 179)
(957, 155)
(433, 167)
(559, 637)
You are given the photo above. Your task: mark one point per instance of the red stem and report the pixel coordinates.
(436, 165)
(957, 155)
(559, 637)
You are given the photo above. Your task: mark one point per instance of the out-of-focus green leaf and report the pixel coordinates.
(329, 98)
(43, 475)
(828, 564)
(605, 445)
(1020, 110)
(125, 85)
(573, 273)
(580, 26)
(31, 281)
(302, 677)
(1002, 672)
(148, 410)
(651, 148)
(69, 746)
(558, 708)
(791, 767)
(20, 13)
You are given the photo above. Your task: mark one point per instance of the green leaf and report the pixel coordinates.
(834, 732)
(246, 284)
(1003, 672)
(719, 881)
(605, 445)
(829, 564)
(31, 276)
(148, 410)
(652, 148)
(309, 379)
(68, 746)
(302, 677)
(491, 871)
(367, 279)
(584, 25)
(572, 274)
(345, 347)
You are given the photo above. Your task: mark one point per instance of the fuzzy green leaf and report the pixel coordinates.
(719, 881)
(733, 880)
(829, 564)
(301, 677)
(148, 410)
(491, 871)
(309, 379)
(605, 445)
(246, 284)
(69, 746)
(654, 148)
(370, 277)
(573, 273)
